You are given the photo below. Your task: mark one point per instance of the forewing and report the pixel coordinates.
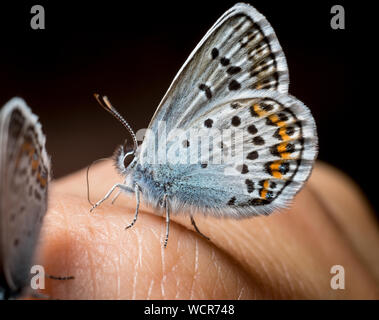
(24, 171)
(240, 51)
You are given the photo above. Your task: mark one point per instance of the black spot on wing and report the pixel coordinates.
(233, 70)
(283, 117)
(243, 168)
(214, 53)
(259, 202)
(234, 85)
(235, 105)
(224, 61)
(232, 201)
(269, 122)
(252, 155)
(236, 121)
(186, 143)
(266, 107)
(206, 89)
(252, 129)
(208, 123)
(289, 131)
(250, 185)
(258, 141)
(37, 195)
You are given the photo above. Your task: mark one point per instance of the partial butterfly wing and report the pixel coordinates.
(24, 176)
(240, 51)
(260, 146)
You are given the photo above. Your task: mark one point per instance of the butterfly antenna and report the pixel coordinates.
(105, 103)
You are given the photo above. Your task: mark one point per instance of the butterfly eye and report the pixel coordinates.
(127, 154)
(128, 158)
(123, 156)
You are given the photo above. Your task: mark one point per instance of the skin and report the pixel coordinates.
(287, 255)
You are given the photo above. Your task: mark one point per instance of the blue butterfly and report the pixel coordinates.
(257, 143)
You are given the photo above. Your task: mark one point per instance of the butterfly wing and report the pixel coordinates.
(240, 51)
(260, 147)
(232, 92)
(24, 172)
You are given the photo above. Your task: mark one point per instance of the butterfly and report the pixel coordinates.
(232, 92)
(25, 174)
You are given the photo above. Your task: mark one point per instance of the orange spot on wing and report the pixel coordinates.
(275, 165)
(259, 111)
(274, 118)
(42, 181)
(282, 147)
(277, 174)
(35, 164)
(275, 169)
(283, 133)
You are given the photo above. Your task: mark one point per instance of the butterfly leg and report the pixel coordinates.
(117, 195)
(197, 229)
(136, 191)
(167, 206)
(118, 185)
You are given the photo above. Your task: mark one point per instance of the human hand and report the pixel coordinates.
(287, 255)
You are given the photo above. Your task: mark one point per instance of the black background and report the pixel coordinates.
(132, 51)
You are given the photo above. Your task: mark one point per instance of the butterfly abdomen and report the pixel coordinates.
(177, 182)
